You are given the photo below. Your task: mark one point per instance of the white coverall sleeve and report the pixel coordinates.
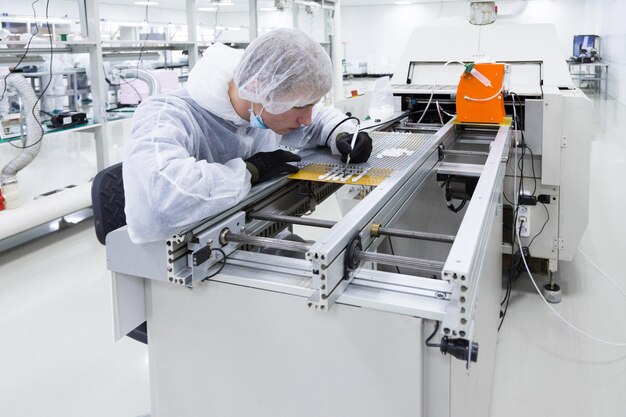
(166, 188)
(324, 120)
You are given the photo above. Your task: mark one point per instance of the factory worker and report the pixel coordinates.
(195, 152)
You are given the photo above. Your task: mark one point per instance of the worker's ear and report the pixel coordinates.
(252, 87)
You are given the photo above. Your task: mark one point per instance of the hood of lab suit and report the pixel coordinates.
(208, 81)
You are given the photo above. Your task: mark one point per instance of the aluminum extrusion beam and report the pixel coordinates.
(464, 265)
(454, 168)
(327, 224)
(463, 153)
(396, 260)
(381, 205)
(378, 290)
(266, 242)
(433, 237)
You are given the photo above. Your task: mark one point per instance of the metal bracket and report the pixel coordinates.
(558, 243)
(563, 142)
(190, 259)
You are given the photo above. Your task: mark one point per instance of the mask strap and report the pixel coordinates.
(252, 110)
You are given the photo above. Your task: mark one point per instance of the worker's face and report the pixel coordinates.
(288, 121)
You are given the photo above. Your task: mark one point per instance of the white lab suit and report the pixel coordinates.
(185, 156)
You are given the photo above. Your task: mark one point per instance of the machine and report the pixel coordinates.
(394, 308)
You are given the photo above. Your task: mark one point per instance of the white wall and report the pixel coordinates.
(384, 30)
(57, 8)
(612, 31)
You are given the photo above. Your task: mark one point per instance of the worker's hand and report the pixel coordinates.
(362, 147)
(266, 165)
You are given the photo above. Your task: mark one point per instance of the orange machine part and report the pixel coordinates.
(491, 111)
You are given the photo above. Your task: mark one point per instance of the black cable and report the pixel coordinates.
(339, 124)
(223, 263)
(4, 90)
(513, 272)
(519, 164)
(392, 252)
(433, 335)
(49, 79)
(448, 198)
(521, 116)
(455, 209)
(402, 116)
(542, 227)
(532, 162)
(108, 81)
(144, 41)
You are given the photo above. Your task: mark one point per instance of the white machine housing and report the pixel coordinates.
(556, 120)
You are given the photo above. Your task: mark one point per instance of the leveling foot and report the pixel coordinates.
(552, 293)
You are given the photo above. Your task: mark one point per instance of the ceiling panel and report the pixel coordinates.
(243, 4)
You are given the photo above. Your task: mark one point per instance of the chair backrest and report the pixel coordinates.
(107, 198)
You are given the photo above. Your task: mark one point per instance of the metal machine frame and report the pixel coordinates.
(343, 330)
(329, 275)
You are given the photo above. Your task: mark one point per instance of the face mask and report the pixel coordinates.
(257, 121)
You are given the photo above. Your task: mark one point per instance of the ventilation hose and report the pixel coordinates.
(154, 86)
(30, 144)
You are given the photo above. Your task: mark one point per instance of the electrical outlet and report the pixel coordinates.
(523, 221)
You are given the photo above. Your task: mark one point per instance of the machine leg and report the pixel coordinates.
(551, 291)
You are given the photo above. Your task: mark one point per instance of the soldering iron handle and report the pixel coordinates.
(353, 142)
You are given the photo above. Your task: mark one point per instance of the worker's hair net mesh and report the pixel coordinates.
(282, 69)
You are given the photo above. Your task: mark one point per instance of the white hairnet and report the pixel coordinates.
(282, 69)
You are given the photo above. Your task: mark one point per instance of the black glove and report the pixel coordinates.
(266, 165)
(362, 147)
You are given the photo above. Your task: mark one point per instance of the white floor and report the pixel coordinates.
(57, 356)
(543, 368)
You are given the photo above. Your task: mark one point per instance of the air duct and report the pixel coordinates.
(30, 144)
(154, 86)
(482, 12)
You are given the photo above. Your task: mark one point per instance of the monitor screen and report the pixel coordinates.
(586, 42)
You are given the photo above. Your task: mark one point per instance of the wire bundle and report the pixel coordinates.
(4, 90)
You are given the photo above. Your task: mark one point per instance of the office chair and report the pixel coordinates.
(107, 198)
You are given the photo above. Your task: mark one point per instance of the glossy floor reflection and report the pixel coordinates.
(543, 368)
(57, 353)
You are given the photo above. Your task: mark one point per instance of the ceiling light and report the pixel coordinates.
(124, 23)
(207, 9)
(227, 28)
(146, 3)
